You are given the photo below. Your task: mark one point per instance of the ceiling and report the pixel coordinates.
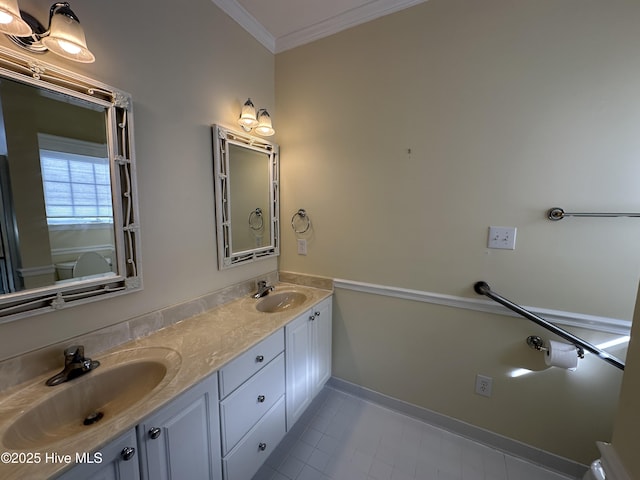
(284, 24)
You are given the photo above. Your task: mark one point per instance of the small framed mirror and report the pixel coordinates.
(68, 201)
(246, 170)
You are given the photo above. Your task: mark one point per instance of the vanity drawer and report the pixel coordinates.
(245, 406)
(240, 369)
(247, 457)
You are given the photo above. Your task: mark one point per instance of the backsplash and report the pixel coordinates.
(323, 283)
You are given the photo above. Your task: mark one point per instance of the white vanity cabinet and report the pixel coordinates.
(252, 418)
(116, 461)
(308, 358)
(182, 439)
(226, 426)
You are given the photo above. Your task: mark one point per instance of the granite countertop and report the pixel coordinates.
(204, 344)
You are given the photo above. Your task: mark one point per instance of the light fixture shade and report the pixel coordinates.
(264, 127)
(11, 23)
(66, 38)
(248, 118)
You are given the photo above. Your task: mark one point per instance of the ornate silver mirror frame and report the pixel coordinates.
(126, 274)
(232, 190)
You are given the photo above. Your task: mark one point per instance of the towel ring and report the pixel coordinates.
(302, 214)
(258, 214)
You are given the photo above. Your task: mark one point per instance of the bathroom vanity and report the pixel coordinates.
(223, 406)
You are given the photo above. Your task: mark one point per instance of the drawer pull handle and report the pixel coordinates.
(261, 398)
(262, 447)
(154, 432)
(260, 358)
(127, 453)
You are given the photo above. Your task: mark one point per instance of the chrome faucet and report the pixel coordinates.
(75, 364)
(263, 289)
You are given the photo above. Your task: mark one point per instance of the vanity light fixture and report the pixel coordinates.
(64, 36)
(248, 118)
(264, 127)
(260, 122)
(11, 23)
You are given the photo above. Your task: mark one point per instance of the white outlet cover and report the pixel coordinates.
(502, 237)
(484, 385)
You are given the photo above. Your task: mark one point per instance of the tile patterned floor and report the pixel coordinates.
(342, 437)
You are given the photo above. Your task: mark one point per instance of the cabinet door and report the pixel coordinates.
(298, 367)
(321, 345)
(182, 440)
(116, 461)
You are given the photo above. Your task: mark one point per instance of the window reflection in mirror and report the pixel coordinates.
(55, 192)
(69, 224)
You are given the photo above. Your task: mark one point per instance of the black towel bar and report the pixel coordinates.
(483, 288)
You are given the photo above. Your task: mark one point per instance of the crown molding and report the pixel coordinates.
(248, 22)
(351, 18)
(348, 19)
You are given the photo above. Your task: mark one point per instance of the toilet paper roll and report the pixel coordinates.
(562, 355)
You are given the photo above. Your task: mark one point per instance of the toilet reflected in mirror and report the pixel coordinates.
(90, 263)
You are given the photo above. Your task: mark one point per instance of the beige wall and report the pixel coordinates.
(429, 356)
(508, 108)
(185, 72)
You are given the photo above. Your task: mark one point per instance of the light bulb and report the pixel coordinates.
(69, 47)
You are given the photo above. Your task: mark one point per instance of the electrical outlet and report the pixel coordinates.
(502, 237)
(484, 385)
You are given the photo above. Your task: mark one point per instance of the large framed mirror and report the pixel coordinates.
(68, 201)
(246, 170)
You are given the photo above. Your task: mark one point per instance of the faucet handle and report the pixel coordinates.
(262, 283)
(74, 352)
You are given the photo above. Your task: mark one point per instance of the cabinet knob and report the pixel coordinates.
(154, 432)
(261, 398)
(127, 453)
(262, 447)
(316, 314)
(260, 358)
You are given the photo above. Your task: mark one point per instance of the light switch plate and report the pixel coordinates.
(502, 237)
(302, 246)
